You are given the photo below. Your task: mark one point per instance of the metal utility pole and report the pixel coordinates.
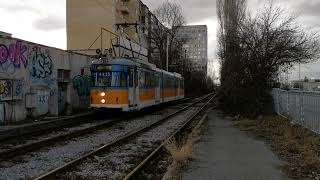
(184, 61)
(299, 76)
(167, 60)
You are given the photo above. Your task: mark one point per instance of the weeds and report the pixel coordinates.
(181, 150)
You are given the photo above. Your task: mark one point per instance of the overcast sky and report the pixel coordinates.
(44, 21)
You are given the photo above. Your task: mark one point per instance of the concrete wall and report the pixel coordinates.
(29, 81)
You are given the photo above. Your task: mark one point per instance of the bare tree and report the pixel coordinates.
(231, 14)
(267, 42)
(169, 19)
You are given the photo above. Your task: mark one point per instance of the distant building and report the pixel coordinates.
(306, 85)
(196, 45)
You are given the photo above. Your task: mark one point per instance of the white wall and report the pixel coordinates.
(31, 70)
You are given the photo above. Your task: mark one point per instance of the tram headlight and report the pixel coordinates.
(103, 94)
(103, 101)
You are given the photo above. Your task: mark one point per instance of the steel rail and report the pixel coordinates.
(114, 142)
(19, 150)
(147, 159)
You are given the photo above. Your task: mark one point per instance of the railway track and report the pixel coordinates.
(19, 146)
(113, 160)
(30, 160)
(156, 152)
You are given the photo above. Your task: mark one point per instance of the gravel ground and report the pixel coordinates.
(118, 162)
(36, 163)
(7, 146)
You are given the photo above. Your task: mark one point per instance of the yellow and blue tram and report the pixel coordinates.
(132, 84)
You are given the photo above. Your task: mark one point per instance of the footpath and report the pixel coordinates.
(226, 153)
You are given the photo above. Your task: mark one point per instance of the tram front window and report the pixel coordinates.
(111, 79)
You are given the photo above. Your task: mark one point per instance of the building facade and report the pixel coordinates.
(195, 42)
(85, 20)
(37, 80)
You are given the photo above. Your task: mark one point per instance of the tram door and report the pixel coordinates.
(132, 89)
(158, 85)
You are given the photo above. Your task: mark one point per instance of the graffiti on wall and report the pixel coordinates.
(5, 90)
(42, 101)
(13, 56)
(17, 89)
(40, 63)
(11, 90)
(82, 83)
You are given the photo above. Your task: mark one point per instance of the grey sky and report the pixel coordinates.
(49, 23)
(43, 21)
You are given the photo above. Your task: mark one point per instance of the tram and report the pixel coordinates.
(130, 84)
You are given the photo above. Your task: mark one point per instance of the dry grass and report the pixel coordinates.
(180, 151)
(293, 143)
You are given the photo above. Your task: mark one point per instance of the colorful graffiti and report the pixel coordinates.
(12, 56)
(5, 90)
(15, 53)
(40, 63)
(82, 83)
(11, 90)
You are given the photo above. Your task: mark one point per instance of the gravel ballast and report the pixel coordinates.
(36, 163)
(117, 162)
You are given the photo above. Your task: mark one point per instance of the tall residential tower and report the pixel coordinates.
(196, 45)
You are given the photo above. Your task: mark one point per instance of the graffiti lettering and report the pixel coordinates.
(41, 63)
(14, 53)
(42, 102)
(82, 83)
(17, 89)
(43, 98)
(5, 89)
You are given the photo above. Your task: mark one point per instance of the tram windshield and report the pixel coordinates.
(111, 79)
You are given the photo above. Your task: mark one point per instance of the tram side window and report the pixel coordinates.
(150, 80)
(147, 82)
(157, 79)
(153, 80)
(169, 82)
(165, 82)
(142, 79)
(123, 80)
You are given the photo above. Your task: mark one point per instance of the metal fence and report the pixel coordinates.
(302, 107)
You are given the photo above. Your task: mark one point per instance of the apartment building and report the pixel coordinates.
(195, 40)
(86, 18)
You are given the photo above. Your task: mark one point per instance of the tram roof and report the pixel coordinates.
(133, 62)
(125, 61)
